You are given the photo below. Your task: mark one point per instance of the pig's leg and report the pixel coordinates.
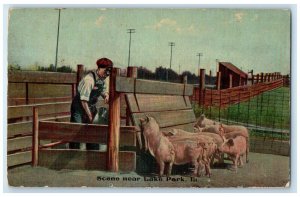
(161, 167)
(146, 142)
(196, 166)
(207, 170)
(236, 161)
(170, 168)
(241, 161)
(201, 167)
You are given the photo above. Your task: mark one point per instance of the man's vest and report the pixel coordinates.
(97, 89)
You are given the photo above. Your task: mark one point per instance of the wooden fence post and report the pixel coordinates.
(230, 80)
(261, 77)
(265, 77)
(35, 137)
(252, 77)
(269, 77)
(80, 71)
(210, 76)
(27, 94)
(201, 85)
(257, 78)
(114, 124)
(131, 72)
(218, 82)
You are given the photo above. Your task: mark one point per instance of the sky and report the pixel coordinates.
(257, 39)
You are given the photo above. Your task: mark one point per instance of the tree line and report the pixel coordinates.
(167, 74)
(160, 74)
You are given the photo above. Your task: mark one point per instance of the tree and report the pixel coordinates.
(13, 67)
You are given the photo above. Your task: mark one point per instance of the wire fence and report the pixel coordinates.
(267, 116)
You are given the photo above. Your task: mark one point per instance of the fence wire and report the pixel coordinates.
(267, 116)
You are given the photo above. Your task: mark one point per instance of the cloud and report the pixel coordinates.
(191, 28)
(171, 24)
(99, 21)
(166, 22)
(239, 16)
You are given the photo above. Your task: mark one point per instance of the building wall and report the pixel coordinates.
(225, 72)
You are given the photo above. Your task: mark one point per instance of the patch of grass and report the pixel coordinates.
(270, 109)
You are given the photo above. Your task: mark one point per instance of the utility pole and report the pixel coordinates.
(130, 31)
(57, 38)
(199, 55)
(217, 64)
(171, 44)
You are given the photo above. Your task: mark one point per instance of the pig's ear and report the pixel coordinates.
(224, 139)
(230, 142)
(142, 120)
(147, 118)
(202, 116)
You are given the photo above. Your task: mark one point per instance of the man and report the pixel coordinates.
(90, 88)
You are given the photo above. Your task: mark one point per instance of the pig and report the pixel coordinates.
(234, 148)
(190, 151)
(218, 140)
(223, 129)
(232, 131)
(217, 129)
(206, 142)
(202, 122)
(158, 145)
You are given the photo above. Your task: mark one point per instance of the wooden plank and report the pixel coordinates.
(22, 101)
(19, 143)
(127, 139)
(167, 118)
(49, 90)
(131, 85)
(158, 87)
(42, 77)
(125, 84)
(48, 108)
(19, 129)
(187, 101)
(59, 118)
(72, 132)
(83, 160)
(22, 128)
(131, 102)
(18, 158)
(188, 90)
(148, 102)
(87, 133)
(16, 90)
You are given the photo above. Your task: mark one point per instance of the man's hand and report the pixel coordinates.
(87, 110)
(106, 99)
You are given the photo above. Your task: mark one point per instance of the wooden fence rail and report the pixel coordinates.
(233, 95)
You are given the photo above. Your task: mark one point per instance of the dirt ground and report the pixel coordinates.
(263, 170)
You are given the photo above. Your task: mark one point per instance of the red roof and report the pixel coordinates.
(233, 68)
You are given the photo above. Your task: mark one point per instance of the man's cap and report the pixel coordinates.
(104, 63)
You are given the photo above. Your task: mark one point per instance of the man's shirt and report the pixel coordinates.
(87, 84)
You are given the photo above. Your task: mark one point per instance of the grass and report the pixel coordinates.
(270, 109)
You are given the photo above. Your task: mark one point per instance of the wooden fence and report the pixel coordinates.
(34, 128)
(19, 128)
(223, 97)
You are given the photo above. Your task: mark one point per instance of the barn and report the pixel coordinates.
(238, 76)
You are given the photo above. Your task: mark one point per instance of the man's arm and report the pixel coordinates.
(85, 88)
(87, 110)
